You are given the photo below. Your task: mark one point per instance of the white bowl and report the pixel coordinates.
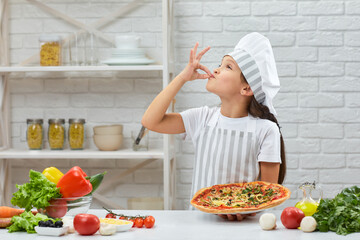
(115, 129)
(127, 41)
(108, 142)
(51, 231)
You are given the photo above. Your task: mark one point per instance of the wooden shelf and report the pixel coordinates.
(80, 154)
(81, 68)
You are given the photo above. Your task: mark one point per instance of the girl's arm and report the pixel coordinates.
(269, 172)
(155, 118)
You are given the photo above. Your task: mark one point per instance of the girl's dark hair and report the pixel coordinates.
(261, 111)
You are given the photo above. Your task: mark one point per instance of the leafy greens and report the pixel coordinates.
(37, 193)
(26, 222)
(340, 214)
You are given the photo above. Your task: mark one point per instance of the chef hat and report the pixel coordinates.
(256, 60)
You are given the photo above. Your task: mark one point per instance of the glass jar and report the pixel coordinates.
(56, 133)
(76, 133)
(34, 133)
(50, 50)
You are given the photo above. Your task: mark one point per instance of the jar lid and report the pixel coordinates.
(49, 38)
(76, 120)
(57, 120)
(36, 120)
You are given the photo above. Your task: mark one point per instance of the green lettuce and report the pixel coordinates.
(340, 214)
(26, 222)
(36, 193)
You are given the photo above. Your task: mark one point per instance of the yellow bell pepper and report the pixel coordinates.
(52, 174)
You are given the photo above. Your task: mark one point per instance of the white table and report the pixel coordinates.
(192, 225)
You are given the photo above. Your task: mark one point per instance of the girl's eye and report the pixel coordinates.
(228, 66)
(219, 65)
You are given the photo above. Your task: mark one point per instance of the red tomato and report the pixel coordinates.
(86, 224)
(139, 222)
(123, 218)
(110, 215)
(132, 220)
(291, 217)
(149, 221)
(57, 209)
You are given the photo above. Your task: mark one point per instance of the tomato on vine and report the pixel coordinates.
(139, 222)
(110, 215)
(149, 221)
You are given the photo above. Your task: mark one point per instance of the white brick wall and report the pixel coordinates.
(316, 45)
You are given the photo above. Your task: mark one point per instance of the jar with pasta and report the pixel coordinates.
(34, 134)
(56, 134)
(76, 133)
(50, 50)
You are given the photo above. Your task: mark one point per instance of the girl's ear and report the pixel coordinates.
(246, 91)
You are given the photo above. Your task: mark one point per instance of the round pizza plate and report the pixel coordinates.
(249, 212)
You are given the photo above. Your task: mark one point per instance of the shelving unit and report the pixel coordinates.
(81, 68)
(7, 154)
(83, 154)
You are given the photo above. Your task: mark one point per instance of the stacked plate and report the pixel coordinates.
(128, 56)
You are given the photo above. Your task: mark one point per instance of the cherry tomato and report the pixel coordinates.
(57, 209)
(86, 224)
(110, 215)
(139, 222)
(123, 218)
(132, 220)
(149, 221)
(291, 217)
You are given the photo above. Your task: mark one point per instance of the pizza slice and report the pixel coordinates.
(240, 197)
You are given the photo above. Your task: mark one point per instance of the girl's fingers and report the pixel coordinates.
(231, 217)
(199, 56)
(203, 76)
(239, 217)
(191, 56)
(222, 216)
(195, 49)
(205, 69)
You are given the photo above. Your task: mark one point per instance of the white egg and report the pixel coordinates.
(308, 224)
(267, 221)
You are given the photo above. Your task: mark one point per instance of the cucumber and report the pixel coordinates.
(96, 180)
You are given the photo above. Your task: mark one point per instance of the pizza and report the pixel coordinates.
(240, 197)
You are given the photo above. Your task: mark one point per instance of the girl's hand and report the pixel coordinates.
(237, 217)
(190, 71)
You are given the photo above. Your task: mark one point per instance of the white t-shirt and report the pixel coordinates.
(267, 132)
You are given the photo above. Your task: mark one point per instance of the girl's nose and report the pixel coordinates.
(216, 70)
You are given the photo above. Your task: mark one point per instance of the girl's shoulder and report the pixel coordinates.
(201, 115)
(265, 125)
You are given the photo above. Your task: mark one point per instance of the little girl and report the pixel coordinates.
(241, 140)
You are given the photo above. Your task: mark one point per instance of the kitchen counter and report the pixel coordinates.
(192, 225)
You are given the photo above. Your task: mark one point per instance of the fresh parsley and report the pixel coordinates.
(340, 214)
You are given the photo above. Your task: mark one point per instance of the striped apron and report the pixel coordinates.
(224, 155)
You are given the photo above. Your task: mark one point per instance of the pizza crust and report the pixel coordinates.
(239, 209)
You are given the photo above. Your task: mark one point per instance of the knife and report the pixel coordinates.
(140, 135)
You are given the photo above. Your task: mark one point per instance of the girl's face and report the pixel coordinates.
(227, 82)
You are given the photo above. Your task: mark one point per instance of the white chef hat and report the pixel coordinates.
(256, 60)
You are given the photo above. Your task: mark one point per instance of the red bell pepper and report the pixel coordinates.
(74, 183)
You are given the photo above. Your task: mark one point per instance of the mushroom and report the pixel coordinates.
(308, 224)
(268, 221)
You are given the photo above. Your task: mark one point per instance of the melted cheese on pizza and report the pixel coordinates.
(239, 196)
